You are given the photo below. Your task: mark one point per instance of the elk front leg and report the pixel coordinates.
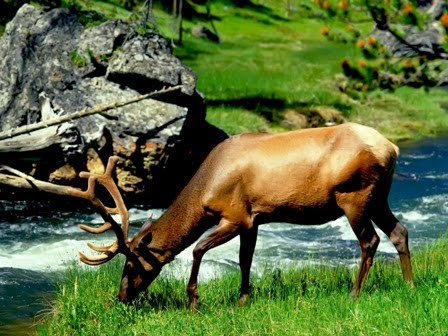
(248, 240)
(224, 232)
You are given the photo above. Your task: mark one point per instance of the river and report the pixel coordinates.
(35, 249)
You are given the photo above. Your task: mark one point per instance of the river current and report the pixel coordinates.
(35, 249)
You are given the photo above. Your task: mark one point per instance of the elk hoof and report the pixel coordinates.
(194, 306)
(243, 300)
(354, 295)
(410, 284)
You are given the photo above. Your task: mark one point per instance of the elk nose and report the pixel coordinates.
(123, 293)
(122, 296)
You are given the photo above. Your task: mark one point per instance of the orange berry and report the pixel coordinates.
(350, 27)
(371, 40)
(362, 63)
(444, 20)
(324, 31)
(343, 5)
(317, 2)
(327, 5)
(408, 8)
(361, 44)
(408, 64)
(364, 88)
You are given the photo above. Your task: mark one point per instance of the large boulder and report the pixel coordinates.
(52, 65)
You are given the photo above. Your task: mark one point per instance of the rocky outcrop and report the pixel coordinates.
(419, 42)
(52, 65)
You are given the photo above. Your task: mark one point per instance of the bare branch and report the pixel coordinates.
(83, 113)
(379, 15)
(24, 181)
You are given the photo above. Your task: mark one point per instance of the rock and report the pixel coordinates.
(311, 117)
(204, 32)
(52, 65)
(427, 41)
(64, 173)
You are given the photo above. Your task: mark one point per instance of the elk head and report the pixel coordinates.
(141, 266)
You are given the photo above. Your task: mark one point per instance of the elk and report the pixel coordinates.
(307, 176)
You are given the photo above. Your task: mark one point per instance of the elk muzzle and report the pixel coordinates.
(135, 279)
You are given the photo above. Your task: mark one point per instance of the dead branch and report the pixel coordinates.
(24, 181)
(380, 18)
(80, 114)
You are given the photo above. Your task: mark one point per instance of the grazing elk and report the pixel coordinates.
(308, 176)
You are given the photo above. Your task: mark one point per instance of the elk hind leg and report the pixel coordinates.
(368, 242)
(398, 234)
(355, 210)
(222, 233)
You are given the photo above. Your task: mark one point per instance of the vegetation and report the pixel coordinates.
(77, 59)
(272, 66)
(306, 301)
(273, 69)
(404, 24)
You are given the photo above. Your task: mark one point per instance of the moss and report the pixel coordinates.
(77, 59)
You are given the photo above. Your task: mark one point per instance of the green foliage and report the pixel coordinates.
(377, 69)
(77, 59)
(308, 300)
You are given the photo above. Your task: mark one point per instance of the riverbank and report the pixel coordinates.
(310, 300)
(274, 71)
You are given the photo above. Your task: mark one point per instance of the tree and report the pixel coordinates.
(405, 46)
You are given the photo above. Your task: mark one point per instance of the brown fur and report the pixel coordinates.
(308, 176)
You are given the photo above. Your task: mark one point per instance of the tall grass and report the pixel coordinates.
(298, 301)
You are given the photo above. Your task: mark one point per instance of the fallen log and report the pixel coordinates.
(31, 183)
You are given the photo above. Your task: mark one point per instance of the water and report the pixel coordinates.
(34, 250)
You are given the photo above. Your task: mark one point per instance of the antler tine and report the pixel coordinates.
(106, 180)
(100, 248)
(96, 260)
(103, 228)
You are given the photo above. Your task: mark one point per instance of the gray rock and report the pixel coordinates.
(48, 53)
(426, 42)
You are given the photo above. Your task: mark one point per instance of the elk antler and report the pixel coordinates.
(106, 180)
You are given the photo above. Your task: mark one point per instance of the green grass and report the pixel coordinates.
(299, 301)
(289, 65)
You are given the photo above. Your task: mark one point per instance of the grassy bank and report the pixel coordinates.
(307, 301)
(266, 67)
(271, 65)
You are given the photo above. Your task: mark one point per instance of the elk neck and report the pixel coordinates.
(179, 226)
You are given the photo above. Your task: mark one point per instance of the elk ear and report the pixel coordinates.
(145, 241)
